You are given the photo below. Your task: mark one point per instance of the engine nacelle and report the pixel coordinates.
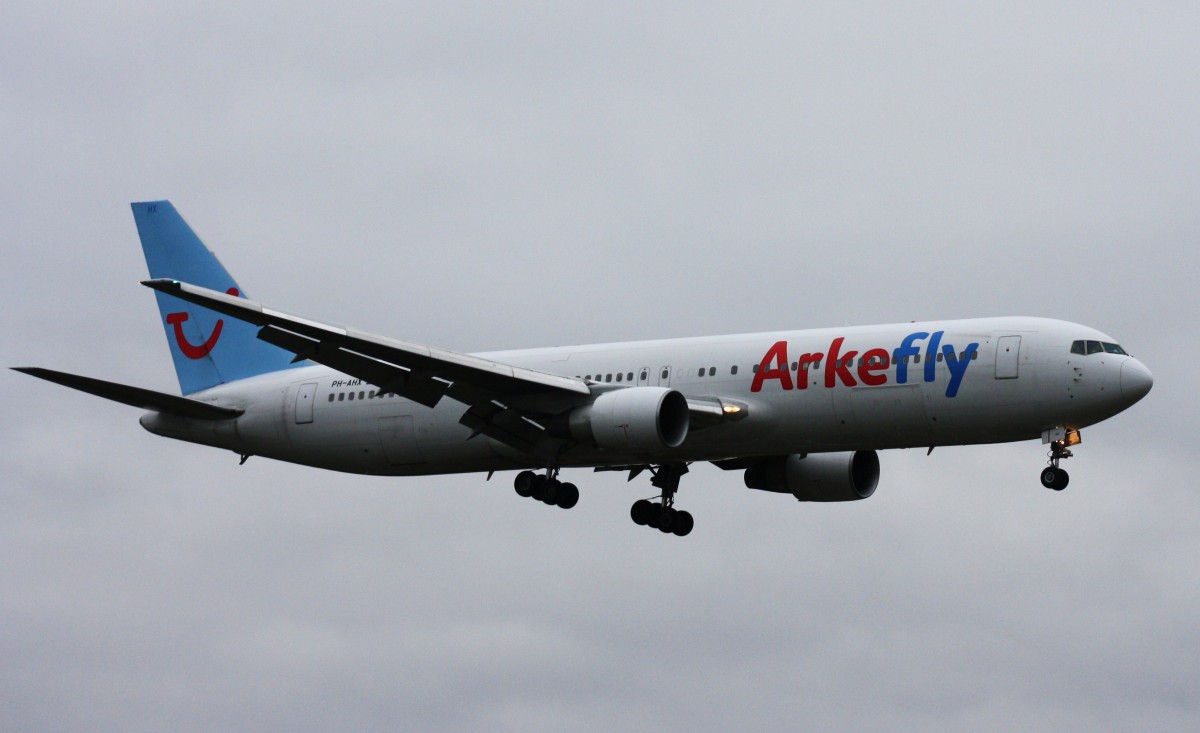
(640, 419)
(818, 477)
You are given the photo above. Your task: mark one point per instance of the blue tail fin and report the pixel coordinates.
(208, 350)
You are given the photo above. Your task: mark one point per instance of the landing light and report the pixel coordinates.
(730, 409)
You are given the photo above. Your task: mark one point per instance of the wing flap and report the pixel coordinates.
(388, 377)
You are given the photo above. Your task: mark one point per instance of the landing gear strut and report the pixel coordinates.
(663, 516)
(546, 488)
(1052, 476)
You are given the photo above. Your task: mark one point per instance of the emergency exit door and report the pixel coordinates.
(304, 403)
(1008, 357)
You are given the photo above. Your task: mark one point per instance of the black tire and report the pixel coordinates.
(1061, 479)
(550, 496)
(641, 511)
(656, 512)
(1049, 477)
(568, 496)
(523, 483)
(538, 488)
(666, 520)
(683, 524)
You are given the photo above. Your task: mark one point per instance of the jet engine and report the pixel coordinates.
(818, 477)
(640, 419)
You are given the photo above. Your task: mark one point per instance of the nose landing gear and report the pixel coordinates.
(1052, 476)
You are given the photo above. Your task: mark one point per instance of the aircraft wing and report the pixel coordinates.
(499, 396)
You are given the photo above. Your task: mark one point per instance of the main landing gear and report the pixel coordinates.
(663, 516)
(546, 488)
(1054, 477)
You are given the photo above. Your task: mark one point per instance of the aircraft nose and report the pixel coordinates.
(1136, 380)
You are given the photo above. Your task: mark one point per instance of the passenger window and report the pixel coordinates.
(645, 375)
(733, 369)
(712, 371)
(331, 396)
(939, 357)
(608, 377)
(341, 396)
(665, 373)
(629, 376)
(361, 395)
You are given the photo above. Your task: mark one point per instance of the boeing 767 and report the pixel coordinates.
(797, 412)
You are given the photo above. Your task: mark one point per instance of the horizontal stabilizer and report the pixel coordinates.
(136, 396)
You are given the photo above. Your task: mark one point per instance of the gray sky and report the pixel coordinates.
(481, 177)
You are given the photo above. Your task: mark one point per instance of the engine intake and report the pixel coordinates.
(641, 419)
(818, 477)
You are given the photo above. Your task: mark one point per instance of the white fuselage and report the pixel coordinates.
(909, 385)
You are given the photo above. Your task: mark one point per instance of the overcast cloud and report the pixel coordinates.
(486, 176)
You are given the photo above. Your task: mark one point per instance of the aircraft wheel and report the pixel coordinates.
(550, 495)
(1061, 479)
(538, 486)
(656, 513)
(1055, 478)
(523, 483)
(683, 524)
(641, 512)
(666, 520)
(568, 496)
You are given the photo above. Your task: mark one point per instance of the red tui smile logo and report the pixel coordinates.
(190, 350)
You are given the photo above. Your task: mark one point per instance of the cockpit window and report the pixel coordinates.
(1096, 347)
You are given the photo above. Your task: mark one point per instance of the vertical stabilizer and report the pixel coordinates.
(207, 349)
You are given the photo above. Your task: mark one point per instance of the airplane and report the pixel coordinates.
(797, 412)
